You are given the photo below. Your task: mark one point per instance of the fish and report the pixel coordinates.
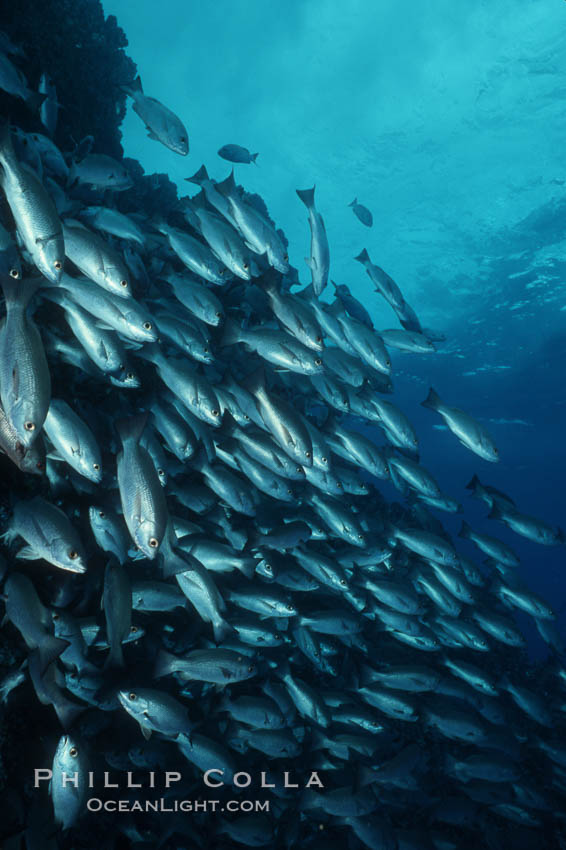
(14, 83)
(100, 171)
(117, 604)
(49, 109)
(31, 618)
(70, 760)
(143, 502)
(73, 440)
(470, 433)
(35, 215)
(362, 213)
(48, 534)
(96, 259)
(161, 123)
(319, 260)
(236, 153)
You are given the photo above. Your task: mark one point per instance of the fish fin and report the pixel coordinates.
(152, 135)
(132, 427)
(68, 712)
(465, 530)
(28, 553)
(307, 292)
(363, 257)
(146, 731)
(307, 196)
(248, 568)
(199, 176)
(354, 202)
(433, 400)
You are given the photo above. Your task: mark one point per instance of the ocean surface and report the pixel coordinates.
(447, 121)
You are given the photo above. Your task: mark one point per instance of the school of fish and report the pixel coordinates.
(217, 564)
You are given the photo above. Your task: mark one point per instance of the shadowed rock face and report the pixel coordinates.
(84, 53)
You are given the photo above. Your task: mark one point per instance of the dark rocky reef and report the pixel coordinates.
(84, 53)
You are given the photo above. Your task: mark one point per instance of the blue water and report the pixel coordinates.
(447, 122)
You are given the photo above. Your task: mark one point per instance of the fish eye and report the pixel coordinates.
(160, 472)
(55, 616)
(58, 264)
(343, 582)
(182, 138)
(318, 339)
(251, 668)
(277, 636)
(133, 630)
(73, 752)
(324, 459)
(246, 265)
(318, 362)
(268, 567)
(101, 514)
(153, 542)
(147, 326)
(14, 273)
(215, 412)
(133, 697)
(290, 608)
(96, 466)
(221, 272)
(289, 492)
(307, 454)
(339, 485)
(205, 350)
(130, 376)
(246, 417)
(360, 536)
(73, 555)
(124, 283)
(29, 426)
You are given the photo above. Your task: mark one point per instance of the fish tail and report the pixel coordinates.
(560, 535)
(163, 663)
(199, 176)
(465, 531)
(307, 196)
(35, 100)
(232, 334)
(115, 656)
(222, 630)
(50, 649)
(133, 88)
(255, 382)
(363, 257)
(227, 187)
(354, 202)
(433, 400)
(132, 427)
(496, 512)
(19, 292)
(253, 157)
(474, 483)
